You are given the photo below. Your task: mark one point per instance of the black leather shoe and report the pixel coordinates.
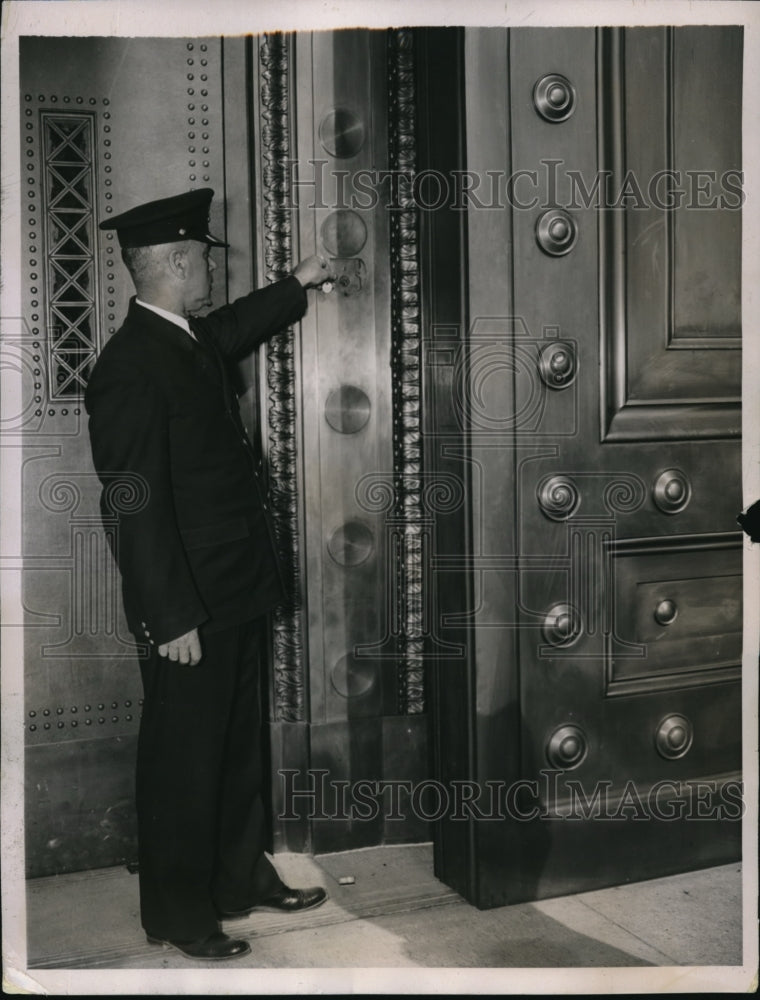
(214, 948)
(290, 900)
(286, 900)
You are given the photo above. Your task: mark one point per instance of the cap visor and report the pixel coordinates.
(214, 242)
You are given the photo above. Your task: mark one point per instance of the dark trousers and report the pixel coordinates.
(200, 812)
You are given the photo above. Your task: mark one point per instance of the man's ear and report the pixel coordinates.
(177, 261)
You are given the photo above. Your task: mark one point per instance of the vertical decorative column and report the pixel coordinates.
(276, 197)
(406, 370)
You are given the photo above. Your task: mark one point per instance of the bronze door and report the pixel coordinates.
(601, 374)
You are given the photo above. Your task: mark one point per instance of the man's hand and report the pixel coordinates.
(313, 271)
(186, 649)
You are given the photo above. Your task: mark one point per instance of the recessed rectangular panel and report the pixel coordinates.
(682, 601)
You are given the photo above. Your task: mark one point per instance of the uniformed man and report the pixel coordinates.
(199, 571)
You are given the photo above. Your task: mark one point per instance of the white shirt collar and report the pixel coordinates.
(170, 316)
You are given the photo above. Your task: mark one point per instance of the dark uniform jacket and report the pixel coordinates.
(200, 547)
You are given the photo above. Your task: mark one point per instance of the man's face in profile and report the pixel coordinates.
(198, 279)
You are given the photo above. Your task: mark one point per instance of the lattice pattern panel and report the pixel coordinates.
(68, 193)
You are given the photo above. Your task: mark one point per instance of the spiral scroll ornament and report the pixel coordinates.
(624, 494)
(558, 497)
(126, 493)
(59, 494)
(274, 71)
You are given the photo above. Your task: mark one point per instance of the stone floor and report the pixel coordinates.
(397, 927)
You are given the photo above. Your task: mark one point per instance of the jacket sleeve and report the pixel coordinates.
(129, 433)
(238, 328)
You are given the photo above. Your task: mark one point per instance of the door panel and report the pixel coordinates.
(621, 588)
(347, 697)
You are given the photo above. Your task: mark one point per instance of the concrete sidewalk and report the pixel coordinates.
(396, 914)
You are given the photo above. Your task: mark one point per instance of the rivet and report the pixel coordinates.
(32, 714)
(190, 76)
(190, 46)
(114, 718)
(66, 100)
(46, 726)
(106, 101)
(101, 720)
(93, 101)
(38, 413)
(51, 413)
(74, 722)
(66, 413)
(74, 708)
(79, 100)
(106, 128)
(111, 317)
(27, 97)
(61, 725)
(128, 718)
(41, 98)
(190, 91)
(101, 707)
(77, 411)
(191, 107)
(59, 711)
(106, 142)
(88, 722)
(106, 114)
(203, 76)
(192, 177)
(29, 111)
(33, 729)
